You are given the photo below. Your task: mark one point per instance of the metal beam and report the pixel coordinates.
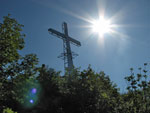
(58, 34)
(63, 36)
(75, 42)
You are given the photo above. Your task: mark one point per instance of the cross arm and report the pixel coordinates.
(63, 36)
(58, 34)
(75, 42)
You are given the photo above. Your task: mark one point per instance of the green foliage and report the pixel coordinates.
(14, 69)
(11, 40)
(138, 98)
(88, 91)
(80, 92)
(8, 110)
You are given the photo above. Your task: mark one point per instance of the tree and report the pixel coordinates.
(87, 91)
(50, 95)
(14, 69)
(11, 40)
(80, 91)
(8, 110)
(137, 97)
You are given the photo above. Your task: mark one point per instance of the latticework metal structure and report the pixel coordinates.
(67, 54)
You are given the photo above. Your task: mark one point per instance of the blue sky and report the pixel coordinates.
(114, 55)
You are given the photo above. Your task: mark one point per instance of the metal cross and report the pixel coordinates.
(67, 54)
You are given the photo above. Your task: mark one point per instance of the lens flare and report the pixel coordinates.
(31, 101)
(34, 90)
(29, 93)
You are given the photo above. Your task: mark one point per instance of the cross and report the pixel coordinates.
(66, 41)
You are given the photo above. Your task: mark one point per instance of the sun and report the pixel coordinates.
(101, 26)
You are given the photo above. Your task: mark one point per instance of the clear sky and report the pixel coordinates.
(114, 54)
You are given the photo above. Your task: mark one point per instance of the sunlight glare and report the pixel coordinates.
(101, 26)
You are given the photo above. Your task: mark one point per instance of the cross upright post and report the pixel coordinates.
(68, 49)
(67, 54)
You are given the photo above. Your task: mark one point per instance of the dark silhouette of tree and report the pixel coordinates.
(88, 92)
